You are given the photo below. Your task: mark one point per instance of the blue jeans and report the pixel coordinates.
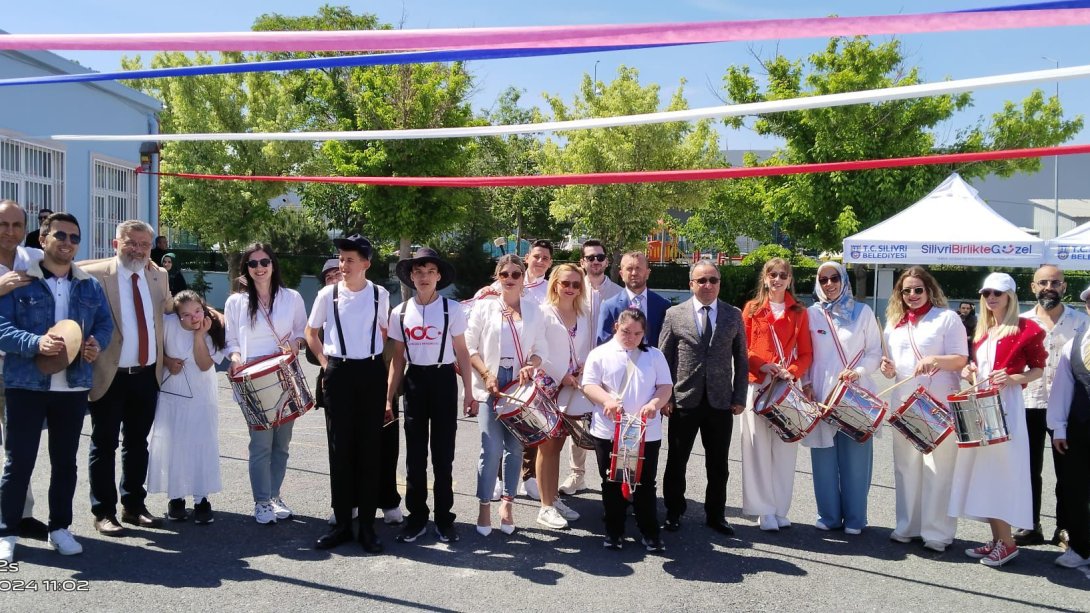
(269, 460)
(497, 442)
(842, 481)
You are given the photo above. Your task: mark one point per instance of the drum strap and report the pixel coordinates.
(839, 347)
(514, 335)
(281, 340)
(442, 341)
(915, 348)
(340, 330)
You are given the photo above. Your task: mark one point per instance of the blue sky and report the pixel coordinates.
(953, 55)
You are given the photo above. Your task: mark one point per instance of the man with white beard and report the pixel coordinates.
(126, 378)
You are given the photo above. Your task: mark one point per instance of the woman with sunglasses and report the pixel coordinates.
(778, 340)
(927, 344)
(265, 319)
(506, 342)
(570, 335)
(847, 347)
(992, 482)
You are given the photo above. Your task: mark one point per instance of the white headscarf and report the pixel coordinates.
(843, 308)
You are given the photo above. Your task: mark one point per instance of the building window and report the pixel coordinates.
(113, 200)
(31, 175)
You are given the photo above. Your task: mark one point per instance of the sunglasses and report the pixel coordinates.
(988, 293)
(516, 275)
(263, 262)
(1049, 283)
(597, 257)
(571, 284)
(908, 291)
(783, 276)
(827, 280)
(62, 236)
(706, 281)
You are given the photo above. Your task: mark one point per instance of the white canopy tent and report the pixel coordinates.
(1071, 250)
(951, 225)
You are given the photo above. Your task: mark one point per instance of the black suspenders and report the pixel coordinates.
(442, 341)
(340, 331)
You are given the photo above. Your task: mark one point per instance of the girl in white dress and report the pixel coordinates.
(183, 446)
(992, 483)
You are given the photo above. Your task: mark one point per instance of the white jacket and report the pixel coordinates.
(483, 336)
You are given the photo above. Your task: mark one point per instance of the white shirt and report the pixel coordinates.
(254, 338)
(940, 332)
(698, 313)
(61, 288)
(595, 297)
(130, 336)
(424, 328)
(606, 366)
(1063, 388)
(537, 289)
(1071, 322)
(358, 316)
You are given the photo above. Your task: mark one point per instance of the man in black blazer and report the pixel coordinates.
(705, 345)
(634, 272)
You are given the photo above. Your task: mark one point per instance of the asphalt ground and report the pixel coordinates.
(235, 564)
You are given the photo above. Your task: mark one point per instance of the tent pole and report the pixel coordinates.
(874, 291)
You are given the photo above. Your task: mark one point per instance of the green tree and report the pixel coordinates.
(225, 213)
(301, 242)
(819, 210)
(623, 215)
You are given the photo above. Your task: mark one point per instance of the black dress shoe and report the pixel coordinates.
(671, 525)
(721, 526)
(336, 536)
(142, 518)
(30, 528)
(108, 526)
(1024, 537)
(369, 541)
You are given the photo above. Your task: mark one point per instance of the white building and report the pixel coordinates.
(95, 182)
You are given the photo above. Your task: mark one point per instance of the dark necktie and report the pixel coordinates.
(141, 322)
(705, 317)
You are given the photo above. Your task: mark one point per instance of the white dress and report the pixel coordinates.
(183, 446)
(993, 481)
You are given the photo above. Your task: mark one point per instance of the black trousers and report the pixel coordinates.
(1075, 490)
(125, 412)
(643, 499)
(355, 395)
(1040, 437)
(715, 428)
(431, 416)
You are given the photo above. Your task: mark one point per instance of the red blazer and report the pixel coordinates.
(793, 330)
(1019, 352)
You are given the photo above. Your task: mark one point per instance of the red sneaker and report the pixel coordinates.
(1000, 555)
(981, 552)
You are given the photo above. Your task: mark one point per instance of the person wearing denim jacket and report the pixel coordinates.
(60, 400)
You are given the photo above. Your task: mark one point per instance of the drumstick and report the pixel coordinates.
(895, 385)
(390, 422)
(973, 386)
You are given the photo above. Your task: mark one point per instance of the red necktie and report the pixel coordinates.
(141, 323)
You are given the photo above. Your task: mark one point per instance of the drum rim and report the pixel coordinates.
(980, 393)
(239, 377)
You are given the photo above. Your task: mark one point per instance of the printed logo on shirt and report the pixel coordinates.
(420, 333)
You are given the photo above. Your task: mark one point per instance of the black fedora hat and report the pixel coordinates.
(425, 255)
(355, 243)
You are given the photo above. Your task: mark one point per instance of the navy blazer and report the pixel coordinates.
(656, 313)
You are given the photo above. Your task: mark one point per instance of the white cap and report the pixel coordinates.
(1085, 294)
(1000, 281)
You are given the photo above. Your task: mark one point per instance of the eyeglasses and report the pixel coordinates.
(514, 274)
(263, 262)
(783, 276)
(571, 284)
(1050, 282)
(595, 257)
(142, 245)
(827, 280)
(62, 236)
(908, 291)
(706, 281)
(988, 293)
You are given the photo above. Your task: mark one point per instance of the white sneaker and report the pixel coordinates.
(549, 517)
(573, 484)
(937, 546)
(61, 540)
(899, 538)
(769, 524)
(853, 531)
(264, 514)
(392, 517)
(7, 548)
(1071, 559)
(529, 487)
(783, 522)
(497, 492)
(565, 511)
(820, 525)
(281, 510)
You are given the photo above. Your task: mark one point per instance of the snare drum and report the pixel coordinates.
(572, 401)
(979, 418)
(271, 391)
(923, 420)
(626, 460)
(528, 413)
(789, 412)
(578, 427)
(855, 411)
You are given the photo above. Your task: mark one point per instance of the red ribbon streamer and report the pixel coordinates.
(657, 176)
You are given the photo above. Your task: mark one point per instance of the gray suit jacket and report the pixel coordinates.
(720, 369)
